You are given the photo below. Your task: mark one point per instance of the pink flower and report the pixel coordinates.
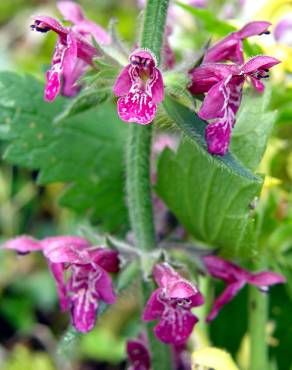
(140, 87)
(138, 354)
(223, 84)
(73, 51)
(171, 304)
(88, 282)
(236, 277)
(231, 47)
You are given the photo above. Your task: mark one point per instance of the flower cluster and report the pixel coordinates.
(73, 51)
(88, 268)
(81, 272)
(223, 83)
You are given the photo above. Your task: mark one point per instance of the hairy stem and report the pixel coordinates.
(258, 316)
(138, 173)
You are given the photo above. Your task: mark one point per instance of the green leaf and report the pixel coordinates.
(87, 99)
(211, 23)
(85, 151)
(211, 202)
(254, 125)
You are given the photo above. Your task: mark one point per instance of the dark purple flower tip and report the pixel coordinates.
(171, 304)
(140, 88)
(44, 23)
(138, 355)
(23, 244)
(236, 277)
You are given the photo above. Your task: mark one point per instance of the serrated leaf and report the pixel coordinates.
(82, 151)
(254, 125)
(211, 202)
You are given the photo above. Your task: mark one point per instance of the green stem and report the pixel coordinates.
(258, 316)
(138, 173)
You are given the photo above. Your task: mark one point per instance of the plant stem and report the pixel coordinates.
(138, 174)
(258, 315)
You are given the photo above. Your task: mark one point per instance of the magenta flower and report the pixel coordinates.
(88, 266)
(138, 354)
(140, 87)
(171, 304)
(223, 84)
(231, 47)
(73, 51)
(236, 277)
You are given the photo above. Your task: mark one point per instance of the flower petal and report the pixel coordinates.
(123, 83)
(176, 326)
(218, 136)
(157, 87)
(66, 249)
(230, 291)
(84, 297)
(266, 278)
(223, 269)
(57, 270)
(138, 355)
(253, 29)
(70, 81)
(259, 63)
(257, 84)
(104, 287)
(53, 85)
(197, 299)
(154, 307)
(137, 107)
(71, 11)
(23, 244)
(165, 276)
(224, 50)
(106, 258)
(207, 75)
(214, 102)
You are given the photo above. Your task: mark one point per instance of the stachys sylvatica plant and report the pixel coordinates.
(178, 195)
